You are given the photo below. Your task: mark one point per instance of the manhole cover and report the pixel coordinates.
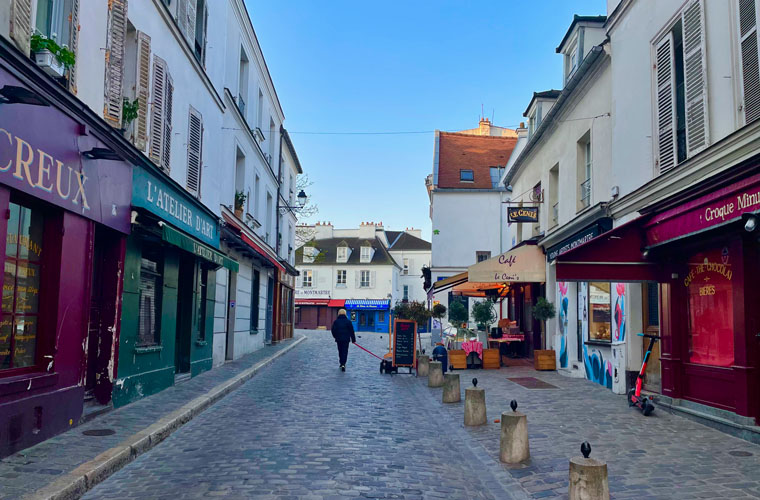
(99, 432)
(739, 453)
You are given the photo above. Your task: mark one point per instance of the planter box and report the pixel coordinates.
(491, 359)
(457, 359)
(544, 360)
(49, 63)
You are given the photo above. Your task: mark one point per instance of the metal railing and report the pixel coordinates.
(586, 193)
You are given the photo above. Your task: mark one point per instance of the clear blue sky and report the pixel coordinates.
(348, 66)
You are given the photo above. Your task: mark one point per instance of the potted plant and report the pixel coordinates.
(240, 198)
(484, 314)
(544, 311)
(459, 316)
(51, 57)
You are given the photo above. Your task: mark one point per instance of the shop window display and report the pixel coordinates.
(600, 309)
(21, 287)
(711, 322)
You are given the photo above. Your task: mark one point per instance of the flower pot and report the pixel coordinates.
(49, 63)
(239, 213)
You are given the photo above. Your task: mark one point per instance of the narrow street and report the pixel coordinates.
(302, 429)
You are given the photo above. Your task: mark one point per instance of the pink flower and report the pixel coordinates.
(562, 287)
(621, 289)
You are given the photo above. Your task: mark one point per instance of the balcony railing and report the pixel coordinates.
(586, 193)
(555, 214)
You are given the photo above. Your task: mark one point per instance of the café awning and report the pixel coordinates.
(477, 289)
(524, 264)
(617, 255)
(445, 284)
(336, 303)
(312, 302)
(171, 235)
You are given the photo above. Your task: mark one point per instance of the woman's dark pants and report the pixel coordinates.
(343, 352)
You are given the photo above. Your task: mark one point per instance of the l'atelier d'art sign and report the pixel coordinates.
(522, 214)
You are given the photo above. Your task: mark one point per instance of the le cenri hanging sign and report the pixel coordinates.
(522, 214)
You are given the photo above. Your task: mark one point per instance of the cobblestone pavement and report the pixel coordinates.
(40, 465)
(303, 429)
(660, 456)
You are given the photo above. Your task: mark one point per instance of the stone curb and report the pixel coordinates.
(76, 483)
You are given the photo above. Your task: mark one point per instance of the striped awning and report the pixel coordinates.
(368, 304)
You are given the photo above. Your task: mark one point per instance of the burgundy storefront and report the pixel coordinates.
(65, 201)
(703, 248)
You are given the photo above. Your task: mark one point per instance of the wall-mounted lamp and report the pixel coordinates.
(750, 223)
(301, 203)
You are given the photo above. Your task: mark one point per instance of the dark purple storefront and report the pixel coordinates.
(65, 206)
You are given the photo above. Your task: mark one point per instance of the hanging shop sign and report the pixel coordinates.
(43, 153)
(579, 238)
(522, 214)
(169, 203)
(177, 238)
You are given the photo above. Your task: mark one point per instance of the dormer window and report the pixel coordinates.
(309, 253)
(342, 254)
(366, 255)
(573, 60)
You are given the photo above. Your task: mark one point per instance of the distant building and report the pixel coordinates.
(365, 270)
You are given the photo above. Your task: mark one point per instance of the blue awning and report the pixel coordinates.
(367, 304)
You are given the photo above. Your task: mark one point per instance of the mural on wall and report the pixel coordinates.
(563, 301)
(618, 332)
(582, 333)
(597, 369)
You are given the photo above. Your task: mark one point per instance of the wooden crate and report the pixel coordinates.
(491, 359)
(544, 360)
(458, 359)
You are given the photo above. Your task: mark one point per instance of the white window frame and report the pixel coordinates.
(307, 280)
(365, 283)
(406, 293)
(309, 253)
(341, 276)
(406, 267)
(366, 255)
(342, 254)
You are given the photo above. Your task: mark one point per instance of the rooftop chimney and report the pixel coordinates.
(323, 231)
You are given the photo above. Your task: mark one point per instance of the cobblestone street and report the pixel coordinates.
(303, 429)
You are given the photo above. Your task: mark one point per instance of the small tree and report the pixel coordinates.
(484, 314)
(458, 313)
(439, 311)
(414, 310)
(543, 311)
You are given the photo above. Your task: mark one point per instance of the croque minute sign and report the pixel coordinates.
(522, 214)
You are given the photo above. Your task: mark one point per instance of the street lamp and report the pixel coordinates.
(300, 204)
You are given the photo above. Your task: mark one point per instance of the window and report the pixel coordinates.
(242, 82)
(600, 309)
(381, 316)
(342, 254)
(554, 195)
(203, 285)
(573, 61)
(496, 173)
(272, 137)
(161, 115)
(260, 110)
(21, 287)
(748, 41)
(52, 20)
(307, 279)
(406, 267)
(365, 279)
(194, 152)
(149, 324)
(711, 312)
(406, 293)
(652, 307)
(531, 125)
(481, 256)
(255, 295)
(681, 85)
(270, 218)
(584, 171)
(466, 176)
(201, 23)
(340, 279)
(366, 255)
(309, 254)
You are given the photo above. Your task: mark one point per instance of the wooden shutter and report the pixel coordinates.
(21, 24)
(357, 278)
(182, 16)
(695, 78)
(191, 18)
(74, 32)
(142, 90)
(749, 59)
(117, 37)
(666, 104)
(169, 97)
(372, 278)
(205, 34)
(194, 145)
(157, 110)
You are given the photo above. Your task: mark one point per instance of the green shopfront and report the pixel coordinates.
(169, 288)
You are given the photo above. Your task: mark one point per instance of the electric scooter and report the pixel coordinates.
(644, 403)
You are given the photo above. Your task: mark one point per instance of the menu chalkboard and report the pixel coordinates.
(404, 340)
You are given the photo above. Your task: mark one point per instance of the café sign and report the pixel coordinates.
(523, 264)
(522, 214)
(578, 239)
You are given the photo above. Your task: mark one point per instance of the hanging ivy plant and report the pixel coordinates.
(129, 111)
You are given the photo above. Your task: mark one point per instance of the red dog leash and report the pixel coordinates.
(363, 349)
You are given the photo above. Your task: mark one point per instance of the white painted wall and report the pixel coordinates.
(417, 259)
(324, 283)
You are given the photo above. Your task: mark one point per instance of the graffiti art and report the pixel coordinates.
(619, 330)
(597, 369)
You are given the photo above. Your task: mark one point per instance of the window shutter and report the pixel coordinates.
(21, 24)
(157, 110)
(666, 105)
(749, 55)
(74, 31)
(169, 95)
(194, 159)
(182, 16)
(357, 277)
(205, 33)
(695, 76)
(117, 34)
(190, 32)
(143, 89)
(411, 267)
(372, 278)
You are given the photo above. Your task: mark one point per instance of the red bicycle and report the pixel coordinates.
(643, 403)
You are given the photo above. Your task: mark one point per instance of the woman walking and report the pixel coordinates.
(343, 333)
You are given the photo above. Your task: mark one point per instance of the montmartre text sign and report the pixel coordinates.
(522, 214)
(404, 342)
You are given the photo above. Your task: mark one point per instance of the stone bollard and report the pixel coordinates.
(435, 374)
(513, 445)
(423, 365)
(588, 477)
(474, 405)
(451, 392)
